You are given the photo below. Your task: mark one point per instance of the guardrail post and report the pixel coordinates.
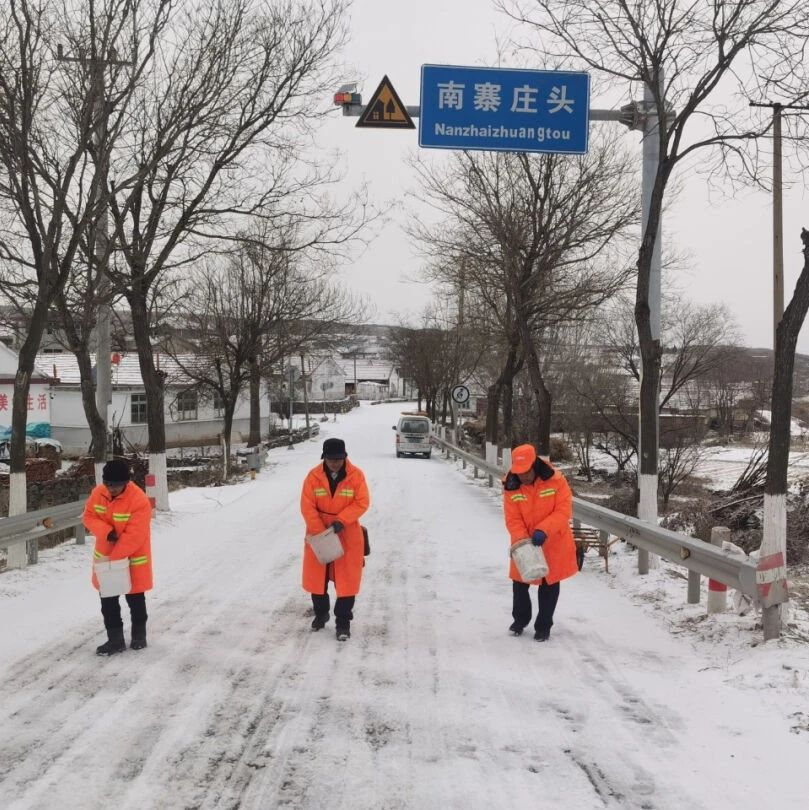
(718, 591)
(475, 473)
(80, 534)
(694, 587)
(16, 556)
(604, 537)
(33, 550)
(463, 461)
(507, 458)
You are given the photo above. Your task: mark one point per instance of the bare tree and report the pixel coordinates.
(536, 236)
(224, 124)
(55, 139)
(77, 307)
(435, 356)
(685, 54)
(774, 540)
(682, 452)
(696, 339)
(248, 310)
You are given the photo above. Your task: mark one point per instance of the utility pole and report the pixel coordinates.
(305, 396)
(291, 445)
(97, 66)
(777, 210)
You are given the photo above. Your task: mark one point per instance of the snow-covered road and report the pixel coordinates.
(236, 704)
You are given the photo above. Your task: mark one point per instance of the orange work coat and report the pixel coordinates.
(130, 514)
(546, 505)
(320, 509)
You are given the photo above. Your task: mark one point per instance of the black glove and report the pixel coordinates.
(112, 536)
(538, 537)
(337, 526)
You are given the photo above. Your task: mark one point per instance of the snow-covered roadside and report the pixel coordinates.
(731, 645)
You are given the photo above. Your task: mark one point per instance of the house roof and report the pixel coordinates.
(8, 366)
(125, 374)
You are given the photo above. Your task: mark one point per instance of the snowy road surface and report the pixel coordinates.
(236, 704)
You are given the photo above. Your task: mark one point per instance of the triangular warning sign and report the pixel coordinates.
(385, 110)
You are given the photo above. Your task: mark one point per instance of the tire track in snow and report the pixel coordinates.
(83, 696)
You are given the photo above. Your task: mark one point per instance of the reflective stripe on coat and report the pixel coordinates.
(320, 509)
(130, 514)
(546, 505)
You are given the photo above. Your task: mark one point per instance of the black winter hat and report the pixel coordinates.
(334, 448)
(115, 472)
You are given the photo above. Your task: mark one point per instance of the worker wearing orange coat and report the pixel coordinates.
(538, 504)
(334, 494)
(119, 514)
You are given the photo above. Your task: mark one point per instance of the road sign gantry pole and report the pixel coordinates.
(636, 115)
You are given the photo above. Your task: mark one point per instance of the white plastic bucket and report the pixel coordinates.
(530, 560)
(113, 577)
(326, 545)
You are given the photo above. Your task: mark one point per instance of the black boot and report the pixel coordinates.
(343, 632)
(115, 642)
(319, 622)
(542, 635)
(515, 629)
(138, 637)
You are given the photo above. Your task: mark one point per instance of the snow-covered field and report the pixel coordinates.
(721, 467)
(638, 701)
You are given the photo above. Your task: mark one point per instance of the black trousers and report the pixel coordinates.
(111, 610)
(547, 597)
(343, 605)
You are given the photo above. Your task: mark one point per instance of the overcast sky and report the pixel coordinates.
(729, 242)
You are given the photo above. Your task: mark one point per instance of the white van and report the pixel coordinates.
(413, 436)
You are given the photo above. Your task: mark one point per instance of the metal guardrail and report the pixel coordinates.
(19, 529)
(695, 555)
(476, 462)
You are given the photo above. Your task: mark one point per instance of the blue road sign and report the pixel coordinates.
(504, 110)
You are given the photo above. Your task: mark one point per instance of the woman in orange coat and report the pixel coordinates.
(119, 514)
(334, 494)
(538, 504)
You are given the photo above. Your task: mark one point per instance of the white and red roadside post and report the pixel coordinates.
(151, 488)
(773, 591)
(771, 571)
(718, 591)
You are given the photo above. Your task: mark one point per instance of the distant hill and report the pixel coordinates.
(801, 386)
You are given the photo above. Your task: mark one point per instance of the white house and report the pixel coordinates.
(380, 372)
(39, 397)
(327, 379)
(190, 419)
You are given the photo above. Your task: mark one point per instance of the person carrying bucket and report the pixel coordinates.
(119, 514)
(334, 495)
(538, 506)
